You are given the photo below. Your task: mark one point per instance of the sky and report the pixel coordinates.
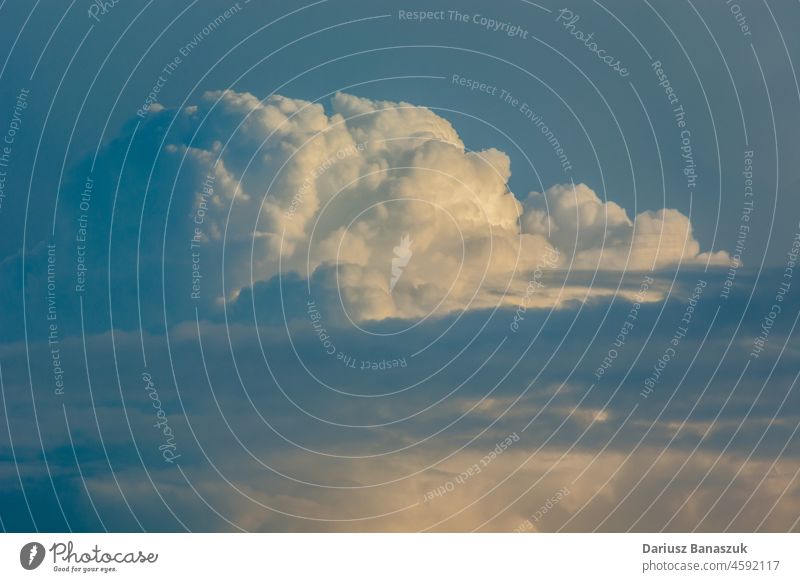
(377, 266)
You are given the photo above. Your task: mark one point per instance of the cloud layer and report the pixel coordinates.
(332, 197)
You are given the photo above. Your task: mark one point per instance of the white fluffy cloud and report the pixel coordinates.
(332, 197)
(601, 235)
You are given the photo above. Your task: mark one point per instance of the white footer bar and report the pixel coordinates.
(400, 557)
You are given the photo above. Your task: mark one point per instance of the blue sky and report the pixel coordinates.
(627, 316)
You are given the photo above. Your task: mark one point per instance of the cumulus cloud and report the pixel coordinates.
(375, 209)
(601, 235)
(332, 196)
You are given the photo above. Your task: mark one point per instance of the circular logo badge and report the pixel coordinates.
(31, 555)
